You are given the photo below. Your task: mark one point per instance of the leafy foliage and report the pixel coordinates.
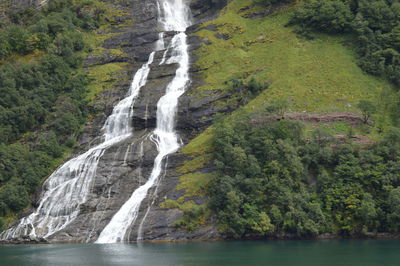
(328, 16)
(273, 180)
(376, 24)
(243, 91)
(367, 108)
(42, 104)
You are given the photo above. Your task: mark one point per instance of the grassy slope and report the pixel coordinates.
(317, 76)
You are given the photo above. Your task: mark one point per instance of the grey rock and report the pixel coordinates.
(127, 165)
(258, 14)
(145, 107)
(204, 10)
(222, 36)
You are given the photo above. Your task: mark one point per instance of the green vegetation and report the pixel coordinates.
(375, 24)
(284, 177)
(104, 77)
(367, 108)
(271, 180)
(194, 215)
(319, 75)
(44, 92)
(275, 178)
(372, 27)
(60, 21)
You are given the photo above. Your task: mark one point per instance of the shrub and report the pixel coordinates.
(332, 16)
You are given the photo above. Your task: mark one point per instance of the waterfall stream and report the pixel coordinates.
(174, 15)
(69, 186)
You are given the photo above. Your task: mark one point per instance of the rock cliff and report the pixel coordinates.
(127, 165)
(12, 6)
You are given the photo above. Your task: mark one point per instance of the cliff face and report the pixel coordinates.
(124, 167)
(12, 6)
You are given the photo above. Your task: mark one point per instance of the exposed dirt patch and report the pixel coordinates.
(355, 139)
(315, 119)
(351, 118)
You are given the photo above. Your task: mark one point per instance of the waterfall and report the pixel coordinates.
(69, 186)
(174, 15)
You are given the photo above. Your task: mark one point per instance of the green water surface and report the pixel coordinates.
(296, 253)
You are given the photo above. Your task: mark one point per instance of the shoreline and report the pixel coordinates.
(377, 236)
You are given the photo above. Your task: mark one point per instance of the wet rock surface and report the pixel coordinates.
(127, 165)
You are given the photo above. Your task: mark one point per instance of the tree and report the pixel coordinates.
(367, 213)
(332, 16)
(5, 47)
(367, 109)
(394, 209)
(47, 92)
(263, 224)
(15, 196)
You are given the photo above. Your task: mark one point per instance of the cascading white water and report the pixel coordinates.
(174, 15)
(68, 187)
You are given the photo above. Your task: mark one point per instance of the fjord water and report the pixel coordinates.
(274, 253)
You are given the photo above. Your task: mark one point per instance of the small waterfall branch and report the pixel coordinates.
(69, 186)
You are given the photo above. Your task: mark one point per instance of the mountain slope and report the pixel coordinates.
(318, 78)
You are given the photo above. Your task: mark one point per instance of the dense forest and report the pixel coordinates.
(274, 180)
(42, 103)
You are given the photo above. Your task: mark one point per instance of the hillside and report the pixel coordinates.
(201, 119)
(319, 78)
(42, 116)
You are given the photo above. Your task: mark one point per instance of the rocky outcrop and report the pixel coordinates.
(124, 167)
(204, 10)
(8, 7)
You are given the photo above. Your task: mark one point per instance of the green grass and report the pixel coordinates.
(334, 128)
(33, 57)
(195, 163)
(103, 78)
(194, 184)
(194, 215)
(202, 144)
(314, 76)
